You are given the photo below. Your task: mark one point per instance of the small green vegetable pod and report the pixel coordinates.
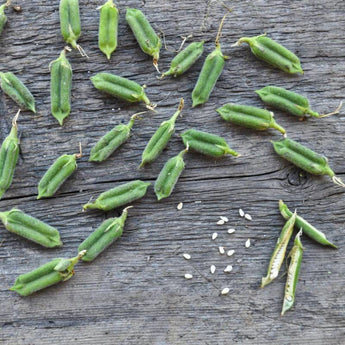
(305, 158)
(14, 88)
(160, 138)
(279, 251)
(291, 102)
(210, 72)
(3, 17)
(307, 228)
(57, 174)
(169, 175)
(107, 233)
(108, 27)
(119, 196)
(9, 153)
(250, 117)
(53, 272)
(185, 59)
(206, 143)
(31, 228)
(60, 87)
(295, 256)
(146, 37)
(111, 141)
(121, 88)
(273, 53)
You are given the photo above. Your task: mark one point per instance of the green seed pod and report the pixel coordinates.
(3, 17)
(206, 143)
(121, 88)
(210, 72)
(295, 256)
(112, 140)
(31, 228)
(148, 40)
(289, 101)
(57, 174)
(119, 196)
(307, 228)
(250, 117)
(15, 89)
(107, 233)
(273, 53)
(51, 273)
(160, 138)
(169, 175)
(9, 152)
(279, 251)
(108, 27)
(60, 87)
(305, 158)
(185, 59)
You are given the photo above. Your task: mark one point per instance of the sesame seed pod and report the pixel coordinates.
(146, 37)
(31, 228)
(56, 175)
(185, 59)
(206, 143)
(295, 256)
(273, 53)
(51, 273)
(279, 251)
(289, 101)
(121, 88)
(250, 117)
(108, 232)
(3, 17)
(108, 27)
(9, 153)
(210, 72)
(119, 196)
(305, 158)
(307, 228)
(111, 141)
(60, 87)
(160, 138)
(14, 88)
(169, 175)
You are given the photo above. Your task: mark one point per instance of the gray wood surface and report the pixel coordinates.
(135, 291)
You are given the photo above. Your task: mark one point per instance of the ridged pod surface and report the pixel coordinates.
(108, 28)
(70, 21)
(31, 228)
(3, 17)
(206, 143)
(119, 196)
(108, 232)
(60, 87)
(248, 116)
(51, 273)
(14, 88)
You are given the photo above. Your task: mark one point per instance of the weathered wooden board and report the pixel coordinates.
(124, 298)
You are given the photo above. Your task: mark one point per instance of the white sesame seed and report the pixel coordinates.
(225, 291)
(241, 212)
(231, 231)
(247, 244)
(188, 276)
(248, 216)
(187, 256)
(228, 269)
(180, 205)
(214, 236)
(213, 269)
(221, 250)
(226, 219)
(230, 252)
(220, 222)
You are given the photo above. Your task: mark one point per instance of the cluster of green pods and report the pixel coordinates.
(14, 88)
(3, 17)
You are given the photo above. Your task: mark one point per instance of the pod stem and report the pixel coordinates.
(155, 64)
(335, 112)
(178, 112)
(80, 154)
(81, 51)
(185, 38)
(183, 152)
(246, 39)
(8, 3)
(275, 125)
(14, 120)
(338, 181)
(78, 257)
(221, 27)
